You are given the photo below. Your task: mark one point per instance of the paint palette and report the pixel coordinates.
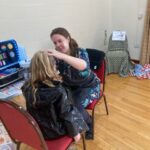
(10, 70)
(8, 53)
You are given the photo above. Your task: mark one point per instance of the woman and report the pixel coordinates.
(74, 67)
(49, 102)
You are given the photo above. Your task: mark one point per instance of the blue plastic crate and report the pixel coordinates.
(10, 56)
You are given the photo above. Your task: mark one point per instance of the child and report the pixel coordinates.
(49, 102)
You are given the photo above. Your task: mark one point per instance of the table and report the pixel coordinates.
(11, 91)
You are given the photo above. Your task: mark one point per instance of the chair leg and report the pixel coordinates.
(93, 120)
(83, 141)
(106, 105)
(18, 145)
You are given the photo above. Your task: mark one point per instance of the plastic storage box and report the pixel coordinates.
(10, 70)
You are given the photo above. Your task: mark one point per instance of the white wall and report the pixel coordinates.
(31, 21)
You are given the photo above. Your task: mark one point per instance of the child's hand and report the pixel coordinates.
(77, 137)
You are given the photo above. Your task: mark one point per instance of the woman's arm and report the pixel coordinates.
(77, 63)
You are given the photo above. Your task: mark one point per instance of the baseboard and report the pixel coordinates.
(135, 61)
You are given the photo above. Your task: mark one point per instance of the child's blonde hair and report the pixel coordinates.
(43, 69)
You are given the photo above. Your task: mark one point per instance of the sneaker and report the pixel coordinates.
(89, 134)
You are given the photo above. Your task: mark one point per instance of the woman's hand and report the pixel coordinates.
(77, 137)
(56, 54)
(75, 62)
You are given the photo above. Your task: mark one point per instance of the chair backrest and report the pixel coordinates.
(97, 63)
(21, 126)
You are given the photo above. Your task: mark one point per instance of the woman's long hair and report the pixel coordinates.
(43, 69)
(72, 44)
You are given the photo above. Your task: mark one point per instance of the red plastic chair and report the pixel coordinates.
(100, 71)
(22, 128)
